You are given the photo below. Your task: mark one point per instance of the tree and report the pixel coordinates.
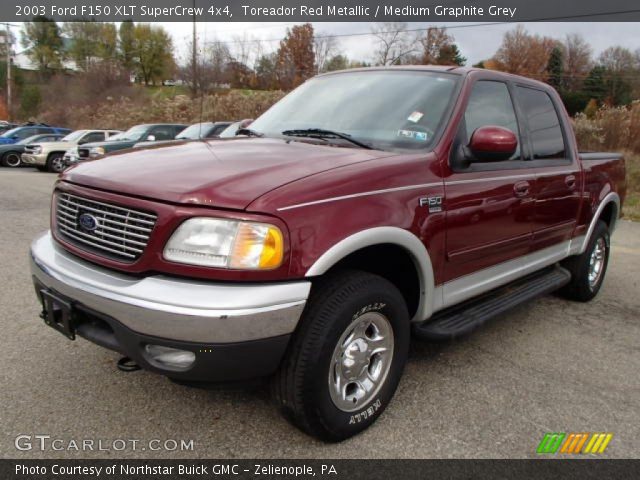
(337, 62)
(555, 68)
(594, 84)
(524, 54)
(577, 61)
(126, 45)
(296, 60)
(438, 48)
(619, 64)
(394, 43)
(265, 72)
(43, 44)
(325, 48)
(91, 42)
(153, 56)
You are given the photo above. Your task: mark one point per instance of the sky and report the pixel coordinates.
(475, 42)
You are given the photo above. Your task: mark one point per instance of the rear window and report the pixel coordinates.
(544, 124)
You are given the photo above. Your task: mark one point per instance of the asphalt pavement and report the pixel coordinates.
(549, 366)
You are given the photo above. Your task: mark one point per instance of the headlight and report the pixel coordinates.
(215, 242)
(96, 151)
(37, 150)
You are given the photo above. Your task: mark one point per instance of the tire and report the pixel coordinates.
(55, 163)
(305, 389)
(11, 160)
(586, 277)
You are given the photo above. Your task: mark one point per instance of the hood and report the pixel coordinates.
(57, 145)
(219, 173)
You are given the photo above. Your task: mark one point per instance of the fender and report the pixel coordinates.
(579, 244)
(392, 235)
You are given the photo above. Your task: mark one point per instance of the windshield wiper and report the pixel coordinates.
(248, 132)
(322, 133)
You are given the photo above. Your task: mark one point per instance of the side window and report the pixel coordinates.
(92, 137)
(217, 130)
(176, 130)
(490, 104)
(163, 133)
(544, 124)
(42, 130)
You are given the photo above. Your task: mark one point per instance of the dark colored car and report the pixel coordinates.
(20, 133)
(364, 207)
(10, 155)
(197, 131)
(139, 133)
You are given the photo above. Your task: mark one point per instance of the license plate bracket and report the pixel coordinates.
(58, 313)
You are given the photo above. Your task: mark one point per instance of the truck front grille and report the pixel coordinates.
(106, 229)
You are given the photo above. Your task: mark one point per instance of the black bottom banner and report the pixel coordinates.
(319, 469)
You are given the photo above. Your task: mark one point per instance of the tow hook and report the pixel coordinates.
(125, 364)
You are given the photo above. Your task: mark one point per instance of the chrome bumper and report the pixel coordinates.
(170, 308)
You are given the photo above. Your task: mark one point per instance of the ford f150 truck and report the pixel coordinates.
(365, 207)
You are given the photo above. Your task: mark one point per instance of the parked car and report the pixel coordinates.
(4, 126)
(232, 130)
(48, 156)
(10, 154)
(139, 133)
(20, 133)
(310, 251)
(197, 131)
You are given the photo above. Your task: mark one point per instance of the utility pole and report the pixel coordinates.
(7, 41)
(194, 54)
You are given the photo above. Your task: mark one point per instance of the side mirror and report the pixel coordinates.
(492, 144)
(151, 138)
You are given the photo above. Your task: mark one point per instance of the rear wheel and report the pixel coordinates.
(55, 163)
(346, 358)
(589, 268)
(11, 160)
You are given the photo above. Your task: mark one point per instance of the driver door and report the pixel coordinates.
(489, 205)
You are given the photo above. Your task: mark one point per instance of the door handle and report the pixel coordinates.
(521, 189)
(570, 181)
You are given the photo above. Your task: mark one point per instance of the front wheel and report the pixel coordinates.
(55, 163)
(11, 160)
(589, 268)
(347, 356)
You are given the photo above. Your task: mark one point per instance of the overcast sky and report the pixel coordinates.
(476, 42)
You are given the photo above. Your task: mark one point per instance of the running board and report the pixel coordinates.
(462, 319)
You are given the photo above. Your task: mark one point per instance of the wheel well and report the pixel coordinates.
(391, 262)
(609, 215)
(54, 153)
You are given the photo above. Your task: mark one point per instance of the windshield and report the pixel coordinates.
(133, 134)
(194, 132)
(387, 110)
(10, 133)
(31, 139)
(74, 136)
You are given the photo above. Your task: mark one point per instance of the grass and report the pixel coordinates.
(631, 208)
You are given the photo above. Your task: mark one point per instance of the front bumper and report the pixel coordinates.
(237, 331)
(31, 159)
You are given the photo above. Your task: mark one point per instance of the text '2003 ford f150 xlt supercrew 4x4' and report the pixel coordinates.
(366, 206)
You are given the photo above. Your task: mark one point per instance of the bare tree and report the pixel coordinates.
(523, 53)
(577, 60)
(394, 43)
(324, 48)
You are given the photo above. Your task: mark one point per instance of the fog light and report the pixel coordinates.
(170, 357)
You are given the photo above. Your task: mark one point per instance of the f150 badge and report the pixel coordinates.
(434, 203)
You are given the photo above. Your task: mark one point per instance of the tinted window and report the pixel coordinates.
(42, 130)
(217, 130)
(93, 137)
(163, 133)
(544, 124)
(490, 104)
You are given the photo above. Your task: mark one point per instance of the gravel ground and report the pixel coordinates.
(549, 366)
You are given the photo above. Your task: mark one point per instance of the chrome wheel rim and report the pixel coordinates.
(13, 160)
(361, 361)
(596, 262)
(57, 164)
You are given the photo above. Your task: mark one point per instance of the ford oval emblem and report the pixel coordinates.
(88, 222)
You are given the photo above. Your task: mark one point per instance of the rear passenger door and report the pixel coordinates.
(558, 175)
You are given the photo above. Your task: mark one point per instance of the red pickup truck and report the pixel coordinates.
(365, 207)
